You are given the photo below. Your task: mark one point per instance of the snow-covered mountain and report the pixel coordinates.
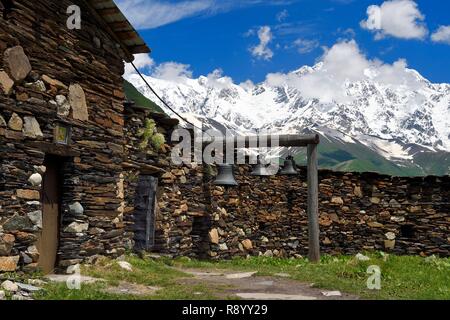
(403, 126)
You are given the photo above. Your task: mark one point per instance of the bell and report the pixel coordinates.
(259, 169)
(289, 167)
(225, 176)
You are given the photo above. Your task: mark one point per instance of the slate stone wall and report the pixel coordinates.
(49, 74)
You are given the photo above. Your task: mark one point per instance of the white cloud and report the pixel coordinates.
(442, 35)
(152, 14)
(282, 15)
(396, 18)
(342, 63)
(172, 71)
(217, 80)
(305, 46)
(142, 61)
(149, 14)
(262, 51)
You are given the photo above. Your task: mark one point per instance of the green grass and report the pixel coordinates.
(403, 277)
(133, 94)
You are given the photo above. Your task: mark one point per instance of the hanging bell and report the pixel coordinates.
(260, 169)
(289, 167)
(225, 176)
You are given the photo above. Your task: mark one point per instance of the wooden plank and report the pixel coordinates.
(296, 140)
(313, 204)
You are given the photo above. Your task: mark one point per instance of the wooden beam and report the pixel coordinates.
(283, 140)
(313, 205)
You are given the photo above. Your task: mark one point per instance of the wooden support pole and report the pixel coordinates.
(313, 204)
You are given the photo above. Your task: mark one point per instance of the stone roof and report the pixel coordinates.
(119, 27)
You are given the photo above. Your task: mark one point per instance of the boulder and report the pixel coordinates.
(53, 82)
(6, 244)
(15, 122)
(28, 194)
(77, 100)
(77, 227)
(63, 106)
(17, 63)
(6, 84)
(35, 179)
(8, 264)
(31, 128)
(18, 223)
(76, 209)
(247, 244)
(214, 236)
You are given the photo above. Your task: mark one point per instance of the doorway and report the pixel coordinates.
(145, 208)
(48, 240)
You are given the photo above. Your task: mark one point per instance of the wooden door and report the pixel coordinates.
(49, 238)
(145, 213)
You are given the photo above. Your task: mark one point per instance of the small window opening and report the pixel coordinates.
(407, 231)
(6, 7)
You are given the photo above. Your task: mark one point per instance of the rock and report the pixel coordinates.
(361, 257)
(337, 200)
(15, 122)
(389, 244)
(37, 282)
(2, 121)
(33, 252)
(268, 253)
(73, 269)
(39, 86)
(63, 106)
(223, 247)
(28, 194)
(6, 84)
(247, 244)
(76, 209)
(53, 82)
(18, 297)
(184, 208)
(6, 244)
(331, 293)
(125, 265)
(77, 227)
(35, 179)
(375, 224)
(398, 219)
(77, 100)
(326, 241)
(28, 287)
(2, 295)
(390, 236)
(264, 239)
(214, 236)
(242, 275)
(31, 128)
(18, 223)
(10, 286)
(36, 218)
(17, 63)
(357, 192)
(375, 200)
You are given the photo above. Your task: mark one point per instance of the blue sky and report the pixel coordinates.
(249, 39)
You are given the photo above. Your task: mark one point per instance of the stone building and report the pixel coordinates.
(83, 174)
(62, 131)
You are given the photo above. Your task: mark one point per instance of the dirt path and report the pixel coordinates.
(248, 286)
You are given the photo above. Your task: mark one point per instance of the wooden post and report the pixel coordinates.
(313, 204)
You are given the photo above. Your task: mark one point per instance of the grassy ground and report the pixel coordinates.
(403, 277)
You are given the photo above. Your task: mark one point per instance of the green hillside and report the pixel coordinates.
(356, 157)
(133, 94)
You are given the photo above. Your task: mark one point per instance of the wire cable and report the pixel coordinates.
(163, 101)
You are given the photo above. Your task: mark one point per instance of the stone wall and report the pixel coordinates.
(357, 212)
(50, 74)
(267, 216)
